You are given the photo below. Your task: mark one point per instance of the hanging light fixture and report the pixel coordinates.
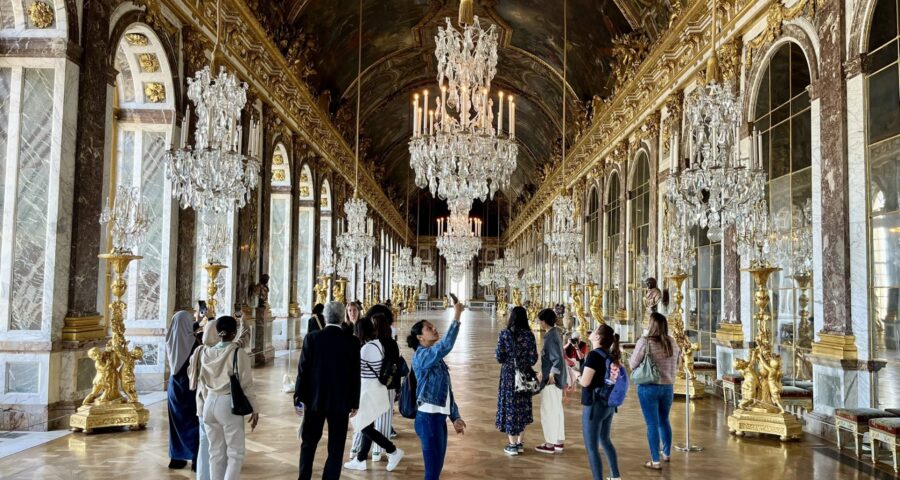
(456, 149)
(356, 243)
(459, 240)
(213, 175)
(718, 188)
(564, 238)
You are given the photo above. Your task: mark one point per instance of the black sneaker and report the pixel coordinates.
(177, 464)
(511, 449)
(520, 447)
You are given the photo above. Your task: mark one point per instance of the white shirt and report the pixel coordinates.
(432, 408)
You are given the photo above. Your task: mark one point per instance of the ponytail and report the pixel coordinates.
(609, 341)
(615, 353)
(412, 340)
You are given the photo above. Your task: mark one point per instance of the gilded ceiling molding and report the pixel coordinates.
(671, 124)
(775, 18)
(679, 51)
(41, 14)
(248, 49)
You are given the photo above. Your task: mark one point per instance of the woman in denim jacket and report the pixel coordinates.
(434, 393)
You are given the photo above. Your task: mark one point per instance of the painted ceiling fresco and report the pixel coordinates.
(398, 60)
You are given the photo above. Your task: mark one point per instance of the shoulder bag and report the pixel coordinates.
(526, 380)
(647, 372)
(240, 404)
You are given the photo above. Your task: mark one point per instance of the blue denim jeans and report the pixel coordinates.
(432, 431)
(656, 401)
(596, 423)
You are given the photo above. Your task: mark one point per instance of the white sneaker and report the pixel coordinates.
(394, 459)
(355, 465)
(376, 456)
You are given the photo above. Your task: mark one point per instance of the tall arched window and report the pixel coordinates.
(306, 240)
(613, 252)
(593, 222)
(704, 293)
(639, 244)
(325, 213)
(280, 233)
(782, 118)
(883, 165)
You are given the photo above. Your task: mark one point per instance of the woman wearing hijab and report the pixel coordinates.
(183, 423)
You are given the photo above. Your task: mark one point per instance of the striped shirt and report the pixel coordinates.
(370, 357)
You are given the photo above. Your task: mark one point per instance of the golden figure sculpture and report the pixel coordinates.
(339, 290)
(651, 301)
(105, 364)
(578, 308)
(771, 369)
(502, 306)
(750, 383)
(129, 382)
(596, 302)
(516, 297)
(686, 382)
(321, 289)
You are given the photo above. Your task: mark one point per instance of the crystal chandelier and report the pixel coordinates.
(125, 215)
(755, 235)
(403, 274)
(793, 238)
(456, 149)
(718, 187)
(459, 240)
(326, 260)
(215, 237)
(564, 238)
(677, 244)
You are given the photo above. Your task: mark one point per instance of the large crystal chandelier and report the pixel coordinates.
(718, 187)
(326, 259)
(459, 240)
(792, 238)
(213, 175)
(755, 235)
(677, 244)
(564, 238)
(125, 215)
(215, 237)
(456, 149)
(403, 268)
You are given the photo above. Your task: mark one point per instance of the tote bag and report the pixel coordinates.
(647, 372)
(240, 404)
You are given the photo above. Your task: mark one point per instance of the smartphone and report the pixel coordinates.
(453, 299)
(202, 307)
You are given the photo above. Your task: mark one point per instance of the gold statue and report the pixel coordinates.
(516, 297)
(502, 306)
(771, 369)
(339, 288)
(129, 382)
(686, 382)
(578, 308)
(321, 289)
(105, 364)
(750, 383)
(596, 302)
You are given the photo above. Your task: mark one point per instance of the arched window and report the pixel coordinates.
(639, 244)
(325, 250)
(782, 118)
(280, 233)
(883, 164)
(613, 252)
(306, 240)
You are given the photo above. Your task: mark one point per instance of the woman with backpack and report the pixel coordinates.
(516, 351)
(602, 371)
(656, 394)
(374, 399)
(553, 382)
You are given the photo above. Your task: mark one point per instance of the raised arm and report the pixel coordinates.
(428, 357)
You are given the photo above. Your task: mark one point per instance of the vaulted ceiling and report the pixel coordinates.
(398, 60)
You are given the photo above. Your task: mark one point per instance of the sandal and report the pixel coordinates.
(653, 465)
(665, 458)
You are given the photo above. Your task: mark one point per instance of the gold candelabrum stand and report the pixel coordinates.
(516, 297)
(761, 409)
(534, 307)
(686, 382)
(367, 296)
(376, 295)
(212, 287)
(113, 401)
(502, 305)
(595, 297)
(578, 308)
(412, 296)
(321, 290)
(340, 289)
(802, 367)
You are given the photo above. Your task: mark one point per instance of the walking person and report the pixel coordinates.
(516, 349)
(327, 390)
(434, 391)
(553, 382)
(184, 426)
(316, 321)
(656, 398)
(224, 429)
(597, 417)
(374, 399)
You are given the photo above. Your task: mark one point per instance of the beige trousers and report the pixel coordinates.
(552, 418)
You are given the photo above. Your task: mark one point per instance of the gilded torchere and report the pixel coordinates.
(340, 288)
(367, 296)
(113, 400)
(321, 290)
(761, 409)
(534, 307)
(803, 342)
(502, 305)
(516, 297)
(212, 287)
(595, 296)
(578, 308)
(686, 382)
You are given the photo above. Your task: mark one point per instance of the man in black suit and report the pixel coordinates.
(327, 390)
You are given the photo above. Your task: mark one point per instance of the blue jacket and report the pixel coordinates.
(432, 373)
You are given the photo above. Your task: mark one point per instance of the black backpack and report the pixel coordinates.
(392, 371)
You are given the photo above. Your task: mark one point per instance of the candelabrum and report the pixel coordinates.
(113, 400)
(321, 290)
(578, 308)
(686, 383)
(516, 297)
(502, 305)
(595, 296)
(803, 341)
(761, 409)
(212, 287)
(367, 295)
(534, 307)
(340, 289)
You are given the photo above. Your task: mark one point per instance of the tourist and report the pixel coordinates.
(184, 427)
(576, 351)
(656, 398)
(224, 429)
(516, 350)
(326, 390)
(596, 419)
(353, 310)
(374, 398)
(553, 382)
(434, 390)
(316, 321)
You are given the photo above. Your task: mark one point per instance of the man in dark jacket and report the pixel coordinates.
(327, 390)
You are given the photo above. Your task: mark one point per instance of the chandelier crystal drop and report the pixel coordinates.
(215, 237)
(755, 234)
(564, 238)
(459, 240)
(403, 268)
(457, 150)
(213, 175)
(128, 223)
(326, 259)
(677, 244)
(357, 241)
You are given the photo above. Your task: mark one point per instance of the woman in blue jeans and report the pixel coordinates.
(656, 398)
(596, 419)
(434, 393)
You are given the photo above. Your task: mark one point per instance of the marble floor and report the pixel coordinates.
(273, 448)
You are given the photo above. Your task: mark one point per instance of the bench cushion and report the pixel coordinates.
(735, 378)
(703, 366)
(795, 392)
(861, 415)
(889, 425)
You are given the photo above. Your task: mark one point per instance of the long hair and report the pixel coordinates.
(518, 320)
(609, 341)
(365, 330)
(659, 331)
(412, 340)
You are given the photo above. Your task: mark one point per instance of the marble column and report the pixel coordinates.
(184, 268)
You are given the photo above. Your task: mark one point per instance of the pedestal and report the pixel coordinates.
(264, 352)
(730, 333)
(694, 387)
(783, 424)
(90, 417)
(81, 329)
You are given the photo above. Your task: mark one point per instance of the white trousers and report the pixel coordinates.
(553, 421)
(225, 431)
(203, 454)
(383, 424)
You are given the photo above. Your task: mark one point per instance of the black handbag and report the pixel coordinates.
(240, 404)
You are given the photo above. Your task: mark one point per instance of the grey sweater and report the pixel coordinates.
(552, 358)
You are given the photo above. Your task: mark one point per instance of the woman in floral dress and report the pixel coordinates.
(515, 348)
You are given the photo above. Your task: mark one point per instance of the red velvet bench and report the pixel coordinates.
(731, 382)
(796, 400)
(884, 430)
(856, 421)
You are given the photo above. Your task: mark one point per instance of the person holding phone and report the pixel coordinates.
(434, 391)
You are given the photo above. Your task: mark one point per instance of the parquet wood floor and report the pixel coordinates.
(273, 449)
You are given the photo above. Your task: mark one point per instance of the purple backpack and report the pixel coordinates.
(611, 394)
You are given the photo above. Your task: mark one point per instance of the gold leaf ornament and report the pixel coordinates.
(41, 14)
(155, 92)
